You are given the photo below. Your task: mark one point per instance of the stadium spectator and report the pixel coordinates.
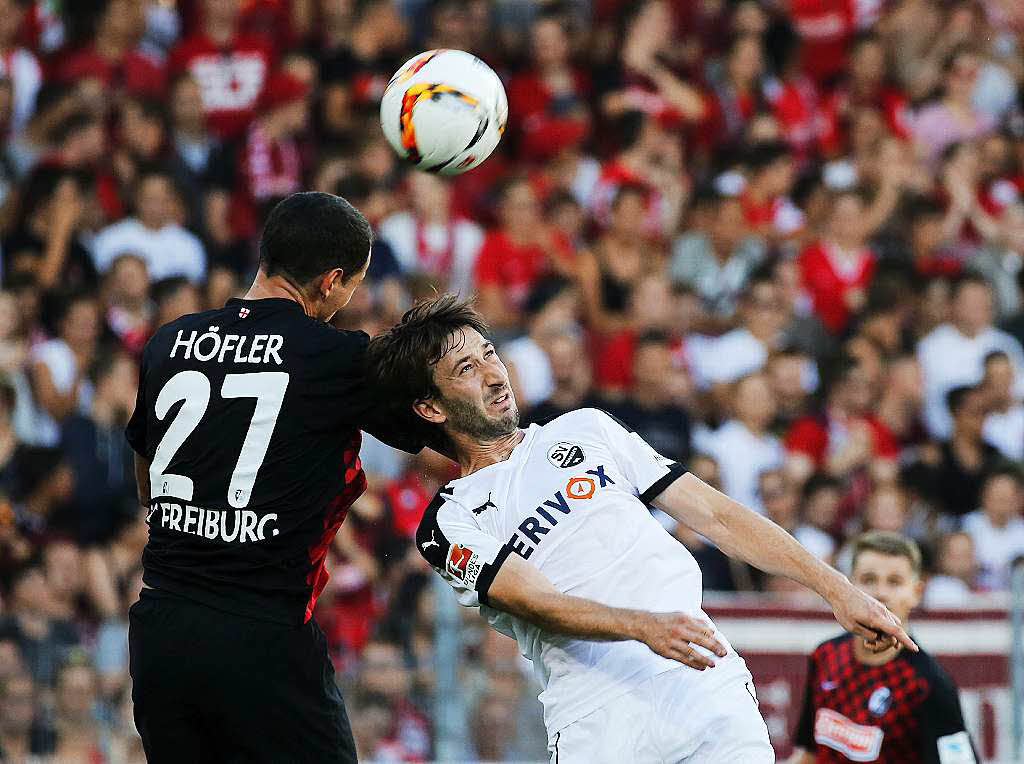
(550, 311)
(724, 359)
(428, 239)
(951, 474)
(155, 233)
(844, 436)
(649, 408)
(953, 118)
(230, 67)
(953, 354)
(60, 366)
(997, 528)
(18, 65)
(956, 572)
(17, 713)
(822, 499)
(1004, 423)
(515, 255)
(98, 455)
(717, 259)
(742, 446)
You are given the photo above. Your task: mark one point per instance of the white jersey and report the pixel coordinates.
(572, 499)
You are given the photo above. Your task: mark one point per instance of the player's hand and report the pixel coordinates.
(865, 616)
(673, 636)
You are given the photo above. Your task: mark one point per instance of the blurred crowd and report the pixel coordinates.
(783, 239)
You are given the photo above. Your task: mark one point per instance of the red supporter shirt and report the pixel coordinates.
(407, 499)
(827, 281)
(512, 267)
(891, 102)
(135, 73)
(542, 131)
(825, 28)
(795, 105)
(813, 436)
(231, 78)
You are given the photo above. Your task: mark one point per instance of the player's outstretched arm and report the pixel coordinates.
(522, 590)
(742, 533)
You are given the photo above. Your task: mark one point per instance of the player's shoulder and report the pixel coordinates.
(589, 418)
(165, 334)
(926, 665)
(431, 540)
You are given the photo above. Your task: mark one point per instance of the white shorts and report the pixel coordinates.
(673, 718)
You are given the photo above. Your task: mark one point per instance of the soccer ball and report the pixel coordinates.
(444, 111)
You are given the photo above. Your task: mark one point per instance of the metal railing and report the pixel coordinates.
(1017, 659)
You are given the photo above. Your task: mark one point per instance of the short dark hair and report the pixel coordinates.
(995, 355)
(957, 397)
(164, 289)
(888, 543)
(966, 279)
(310, 233)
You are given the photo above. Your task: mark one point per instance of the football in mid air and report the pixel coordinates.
(444, 111)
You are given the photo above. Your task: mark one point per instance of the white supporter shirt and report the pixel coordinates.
(1004, 430)
(995, 549)
(741, 456)
(532, 367)
(950, 359)
(724, 359)
(21, 67)
(169, 251)
(572, 499)
(400, 230)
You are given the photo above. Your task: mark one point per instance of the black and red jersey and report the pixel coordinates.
(250, 418)
(906, 711)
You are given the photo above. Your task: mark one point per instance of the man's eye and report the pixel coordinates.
(488, 354)
(464, 369)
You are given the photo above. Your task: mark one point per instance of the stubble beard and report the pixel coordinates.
(470, 420)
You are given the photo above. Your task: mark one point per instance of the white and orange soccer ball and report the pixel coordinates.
(444, 111)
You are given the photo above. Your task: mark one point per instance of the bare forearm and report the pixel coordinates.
(742, 533)
(582, 618)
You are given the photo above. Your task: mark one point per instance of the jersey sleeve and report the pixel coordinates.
(400, 429)
(803, 735)
(944, 737)
(465, 556)
(648, 472)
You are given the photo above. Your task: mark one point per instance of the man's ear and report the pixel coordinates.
(330, 280)
(427, 409)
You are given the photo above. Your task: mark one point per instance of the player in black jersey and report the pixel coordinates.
(893, 706)
(246, 433)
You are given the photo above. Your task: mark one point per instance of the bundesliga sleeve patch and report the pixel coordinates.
(464, 565)
(857, 742)
(956, 749)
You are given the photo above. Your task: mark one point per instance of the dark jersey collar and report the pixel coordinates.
(265, 303)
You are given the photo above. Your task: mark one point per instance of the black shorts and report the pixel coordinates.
(210, 686)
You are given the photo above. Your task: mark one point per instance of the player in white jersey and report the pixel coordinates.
(549, 532)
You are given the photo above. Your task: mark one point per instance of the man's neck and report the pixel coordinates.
(475, 455)
(967, 331)
(219, 32)
(646, 397)
(266, 287)
(103, 412)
